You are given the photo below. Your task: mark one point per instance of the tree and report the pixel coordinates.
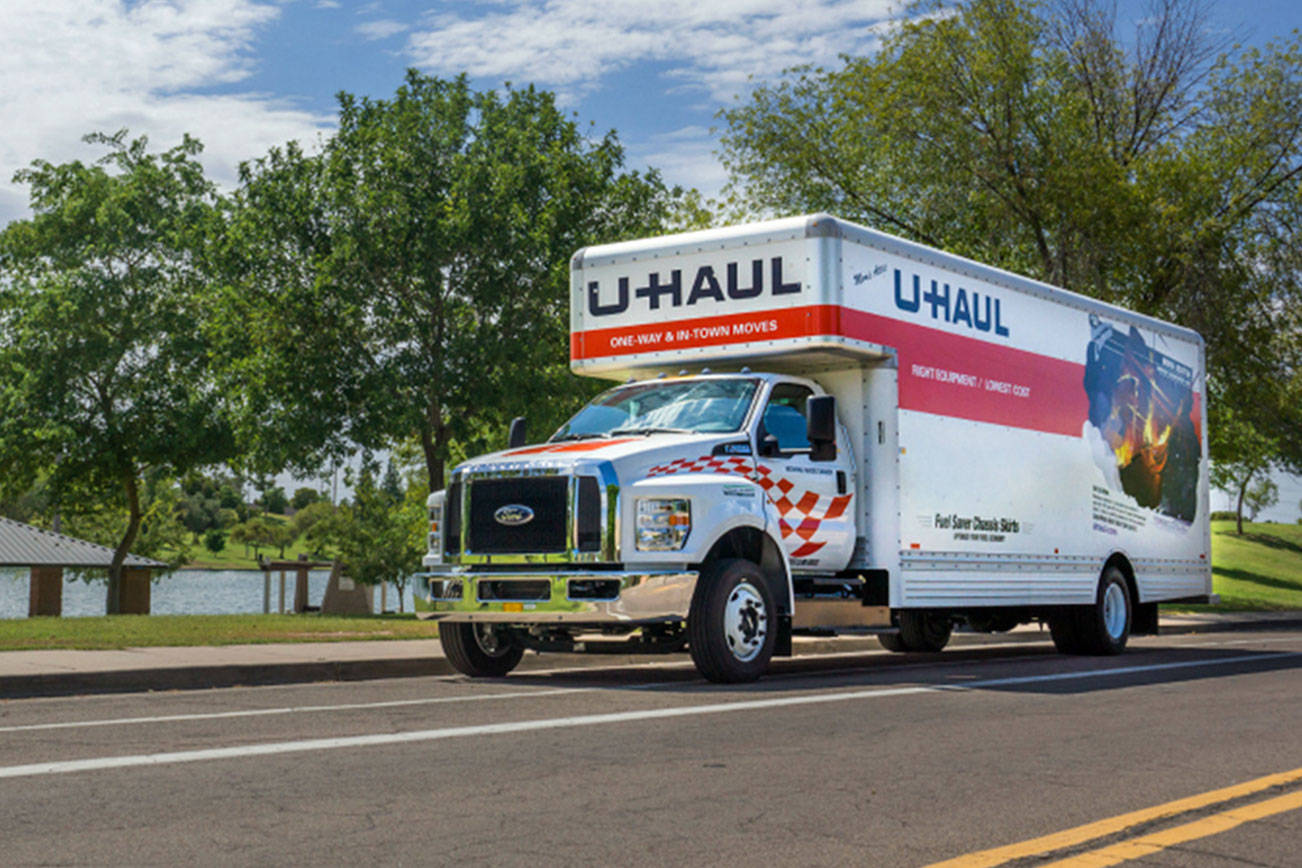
(380, 537)
(303, 497)
(1162, 176)
(411, 281)
(274, 500)
(199, 513)
(104, 376)
(1263, 494)
(261, 531)
(1246, 456)
(161, 535)
(281, 534)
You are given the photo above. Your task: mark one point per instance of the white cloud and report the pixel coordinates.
(75, 66)
(684, 156)
(716, 46)
(381, 28)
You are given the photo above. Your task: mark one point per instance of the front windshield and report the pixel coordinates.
(686, 406)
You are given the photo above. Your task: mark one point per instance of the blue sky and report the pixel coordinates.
(244, 75)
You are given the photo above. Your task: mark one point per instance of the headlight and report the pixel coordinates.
(435, 536)
(663, 524)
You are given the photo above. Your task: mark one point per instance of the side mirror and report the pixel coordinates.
(821, 428)
(768, 446)
(515, 439)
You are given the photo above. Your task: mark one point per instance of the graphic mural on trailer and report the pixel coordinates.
(1143, 420)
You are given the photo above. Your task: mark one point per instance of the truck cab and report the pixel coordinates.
(603, 531)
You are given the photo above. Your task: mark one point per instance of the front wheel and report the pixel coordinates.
(480, 650)
(731, 628)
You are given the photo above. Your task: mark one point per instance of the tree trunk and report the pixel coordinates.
(1243, 488)
(433, 440)
(113, 598)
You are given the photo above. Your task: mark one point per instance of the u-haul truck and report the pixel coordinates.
(823, 428)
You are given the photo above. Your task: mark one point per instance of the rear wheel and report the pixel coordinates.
(1105, 626)
(1099, 629)
(925, 631)
(480, 650)
(731, 629)
(1066, 638)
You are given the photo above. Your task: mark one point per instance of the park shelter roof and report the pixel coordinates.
(22, 545)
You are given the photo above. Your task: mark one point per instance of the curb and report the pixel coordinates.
(264, 674)
(206, 677)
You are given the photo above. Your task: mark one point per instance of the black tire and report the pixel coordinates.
(480, 650)
(927, 632)
(1066, 636)
(732, 625)
(892, 642)
(1104, 627)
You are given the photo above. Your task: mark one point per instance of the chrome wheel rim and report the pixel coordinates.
(489, 641)
(745, 622)
(1115, 606)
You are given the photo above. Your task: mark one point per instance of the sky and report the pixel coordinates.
(246, 75)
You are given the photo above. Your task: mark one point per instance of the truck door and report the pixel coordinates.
(814, 500)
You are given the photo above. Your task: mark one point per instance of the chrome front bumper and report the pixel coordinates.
(551, 597)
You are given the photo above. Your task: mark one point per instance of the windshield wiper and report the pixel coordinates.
(590, 435)
(651, 431)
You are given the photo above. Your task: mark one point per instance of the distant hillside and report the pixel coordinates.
(1261, 569)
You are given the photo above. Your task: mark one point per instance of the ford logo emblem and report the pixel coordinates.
(513, 515)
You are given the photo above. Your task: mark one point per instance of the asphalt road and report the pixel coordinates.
(868, 759)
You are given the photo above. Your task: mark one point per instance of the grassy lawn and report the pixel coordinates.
(1260, 570)
(124, 631)
(236, 556)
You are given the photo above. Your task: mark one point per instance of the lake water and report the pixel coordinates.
(185, 592)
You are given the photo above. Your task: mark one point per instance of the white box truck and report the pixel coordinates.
(822, 428)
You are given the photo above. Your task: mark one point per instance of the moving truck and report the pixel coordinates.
(818, 429)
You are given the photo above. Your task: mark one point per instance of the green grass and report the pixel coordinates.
(236, 556)
(1260, 570)
(135, 631)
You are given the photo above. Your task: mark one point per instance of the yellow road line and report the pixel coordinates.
(1111, 826)
(1147, 845)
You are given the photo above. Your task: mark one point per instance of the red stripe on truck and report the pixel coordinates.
(708, 331)
(953, 375)
(940, 372)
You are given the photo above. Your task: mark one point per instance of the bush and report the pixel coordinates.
(214, 541)
(1224, 515)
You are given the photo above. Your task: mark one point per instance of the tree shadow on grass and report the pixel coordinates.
(1259, 579)
(1265, 539)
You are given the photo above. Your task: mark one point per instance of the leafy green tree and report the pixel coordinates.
(104, 372)
(304, 496)
(274, 500)
(199, 513)
(281, 535)
(380, 537)
(1263, 494)
(1246, 459)
(1160, 172)
(161, 535)
(411, 281)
